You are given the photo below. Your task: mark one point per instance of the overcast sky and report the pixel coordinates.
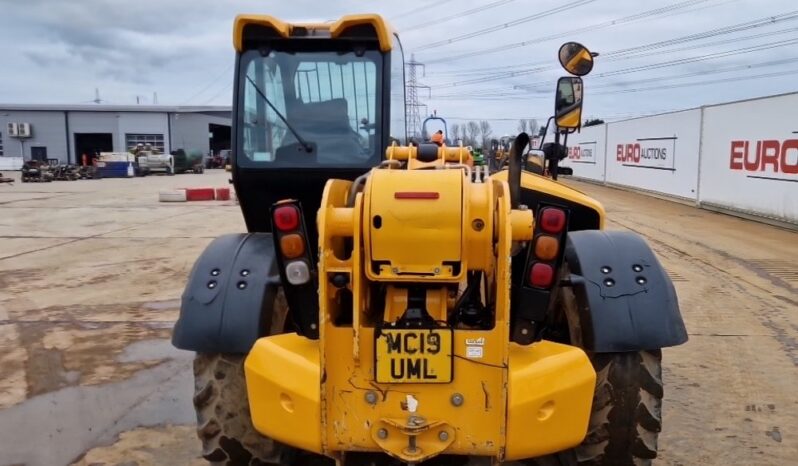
(59, 51)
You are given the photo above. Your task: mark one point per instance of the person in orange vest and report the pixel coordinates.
(85, 159)
(437, 138)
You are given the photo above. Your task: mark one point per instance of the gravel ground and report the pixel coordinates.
(91, 273)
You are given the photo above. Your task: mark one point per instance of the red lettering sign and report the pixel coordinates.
(738, 148)
(770, 155)
(786, 166)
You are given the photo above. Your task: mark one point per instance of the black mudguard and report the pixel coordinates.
(626, 301)
(229, 297)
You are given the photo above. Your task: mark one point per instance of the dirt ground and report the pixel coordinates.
(91, 274)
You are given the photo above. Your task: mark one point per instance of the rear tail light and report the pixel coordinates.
(541, 275)
(292, 246)
(286, 218)
(534, 289)
(552, 220)
(547, 247)
(297, 272)
(294, 258)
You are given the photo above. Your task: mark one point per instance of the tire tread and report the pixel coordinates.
(627, 410)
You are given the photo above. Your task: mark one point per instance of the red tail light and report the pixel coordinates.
(541, 275)
(552, 220)
(286, 218)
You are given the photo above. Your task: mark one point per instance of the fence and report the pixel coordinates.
(740, 157)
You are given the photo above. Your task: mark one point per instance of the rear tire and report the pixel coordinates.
(224, 423)
(626, 416)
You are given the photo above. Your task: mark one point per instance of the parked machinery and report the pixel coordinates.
(36, 171)
(150, 160)
(66, 172)
(188, 161)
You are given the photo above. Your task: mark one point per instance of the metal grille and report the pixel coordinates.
(784, 269)
(1, 143)
(155, 140)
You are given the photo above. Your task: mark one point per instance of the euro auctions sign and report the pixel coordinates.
(584, 152)
(769, 159)
(653, 153)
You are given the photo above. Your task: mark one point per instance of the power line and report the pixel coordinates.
(634, 51)
(700, 83)
(515, 119)
(709, 56)
(520, 91)
(221, 91)
(725, 42)
(211, 83)
(516, 96)
(603, 25)
(420, 8)
(510, 24)
(728, 69)
(472, 11)
(638, 51)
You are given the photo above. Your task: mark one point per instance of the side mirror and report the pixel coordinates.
(568, 106)
(576, 58)
(535, 161)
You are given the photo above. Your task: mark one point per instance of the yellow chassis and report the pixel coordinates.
(508, 402)
(547, 400)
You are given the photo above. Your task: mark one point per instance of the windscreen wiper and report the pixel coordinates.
(305, 145)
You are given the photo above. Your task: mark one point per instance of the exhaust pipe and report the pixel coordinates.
(514, 174)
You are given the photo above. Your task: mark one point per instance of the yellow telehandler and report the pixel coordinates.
(391, 304)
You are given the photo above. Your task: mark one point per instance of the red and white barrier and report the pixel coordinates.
(175, 195)
(195, 194)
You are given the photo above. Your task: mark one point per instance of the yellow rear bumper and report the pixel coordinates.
(549, 392)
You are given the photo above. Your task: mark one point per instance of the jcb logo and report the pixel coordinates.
(769, 155)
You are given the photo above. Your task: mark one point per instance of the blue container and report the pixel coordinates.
(114, 170)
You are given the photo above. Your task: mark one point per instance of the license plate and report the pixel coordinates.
(414, 356)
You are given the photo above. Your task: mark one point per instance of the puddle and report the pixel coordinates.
(148, 350)
(56, 428)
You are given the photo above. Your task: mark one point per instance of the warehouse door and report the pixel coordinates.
(219, 137)
(92, 144)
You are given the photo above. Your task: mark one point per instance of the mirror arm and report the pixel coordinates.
(514, 172)
(554, 162)
(545, 130)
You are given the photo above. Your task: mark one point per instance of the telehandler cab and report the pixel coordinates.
(391, 304)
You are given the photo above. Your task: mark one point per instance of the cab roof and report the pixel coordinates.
(371, 26)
